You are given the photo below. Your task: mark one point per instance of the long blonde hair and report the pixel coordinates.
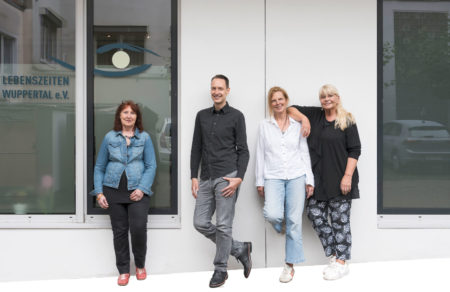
(344, 119)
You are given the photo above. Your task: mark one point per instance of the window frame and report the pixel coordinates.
(50, 24)
(398, 217)
(75, 220)
(84, 145)
(3, 64)
(123, 32)
(158, 217)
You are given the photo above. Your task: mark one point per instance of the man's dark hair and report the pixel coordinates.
(220, 76)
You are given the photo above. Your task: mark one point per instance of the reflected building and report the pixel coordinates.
(37, 102)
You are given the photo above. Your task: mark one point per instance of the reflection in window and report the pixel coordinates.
(429, 132)
(143, 30)
(19, 4)
(49, 37)
(37, 120)
(6, 53)
(416, 107)
(132, 35)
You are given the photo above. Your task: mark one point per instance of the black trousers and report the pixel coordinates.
(128, 216)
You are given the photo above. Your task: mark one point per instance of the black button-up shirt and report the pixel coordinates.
(220, 143)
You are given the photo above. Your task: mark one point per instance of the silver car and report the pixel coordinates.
(415, 141)
(164, 141)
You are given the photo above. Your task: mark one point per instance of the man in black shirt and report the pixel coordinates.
(220, 144)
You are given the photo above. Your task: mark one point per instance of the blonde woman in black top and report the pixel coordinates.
(334, 147)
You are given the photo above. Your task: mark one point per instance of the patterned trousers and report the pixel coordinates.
(336, 238)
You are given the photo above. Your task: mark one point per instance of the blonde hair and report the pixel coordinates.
(344, 119)
(272, 91)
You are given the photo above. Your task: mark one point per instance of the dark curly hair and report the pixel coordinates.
(134, 107)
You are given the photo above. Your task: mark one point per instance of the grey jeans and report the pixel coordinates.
(210, 200)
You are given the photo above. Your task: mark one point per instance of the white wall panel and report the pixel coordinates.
(225, 37)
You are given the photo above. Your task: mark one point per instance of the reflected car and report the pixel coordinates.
(164, 141)
(415, 141)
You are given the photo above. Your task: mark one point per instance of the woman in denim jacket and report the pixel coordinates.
(123, 176)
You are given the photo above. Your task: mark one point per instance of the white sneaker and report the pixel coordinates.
(330, 263)
(287, 274)
(336, 271)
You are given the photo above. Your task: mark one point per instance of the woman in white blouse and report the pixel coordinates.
(284, 176)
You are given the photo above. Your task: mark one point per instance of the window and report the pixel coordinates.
(107, 35)
(49, 35)
(44, 181)
(7, 53)
(145, 32)
(37, 116)
(391, 129)
(414, 108)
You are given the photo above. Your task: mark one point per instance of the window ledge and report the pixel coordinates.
(72, 222)
(413, 221)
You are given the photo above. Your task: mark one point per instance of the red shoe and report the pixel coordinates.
(141, 274)
(123, 279)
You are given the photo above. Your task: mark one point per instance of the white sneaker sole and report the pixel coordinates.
(286, 280)
(325, 277)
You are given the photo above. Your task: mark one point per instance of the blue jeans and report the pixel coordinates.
(284, 200)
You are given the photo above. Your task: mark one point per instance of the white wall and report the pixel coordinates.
(311, 43)
(308, 43)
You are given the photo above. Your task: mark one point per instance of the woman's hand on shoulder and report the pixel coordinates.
(101, 199)
(300, 117)
(306, 128)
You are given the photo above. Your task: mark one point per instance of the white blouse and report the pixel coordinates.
(282, 155)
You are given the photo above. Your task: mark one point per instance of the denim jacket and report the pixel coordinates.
(138, 161)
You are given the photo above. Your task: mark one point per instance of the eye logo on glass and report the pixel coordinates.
(120, 60)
